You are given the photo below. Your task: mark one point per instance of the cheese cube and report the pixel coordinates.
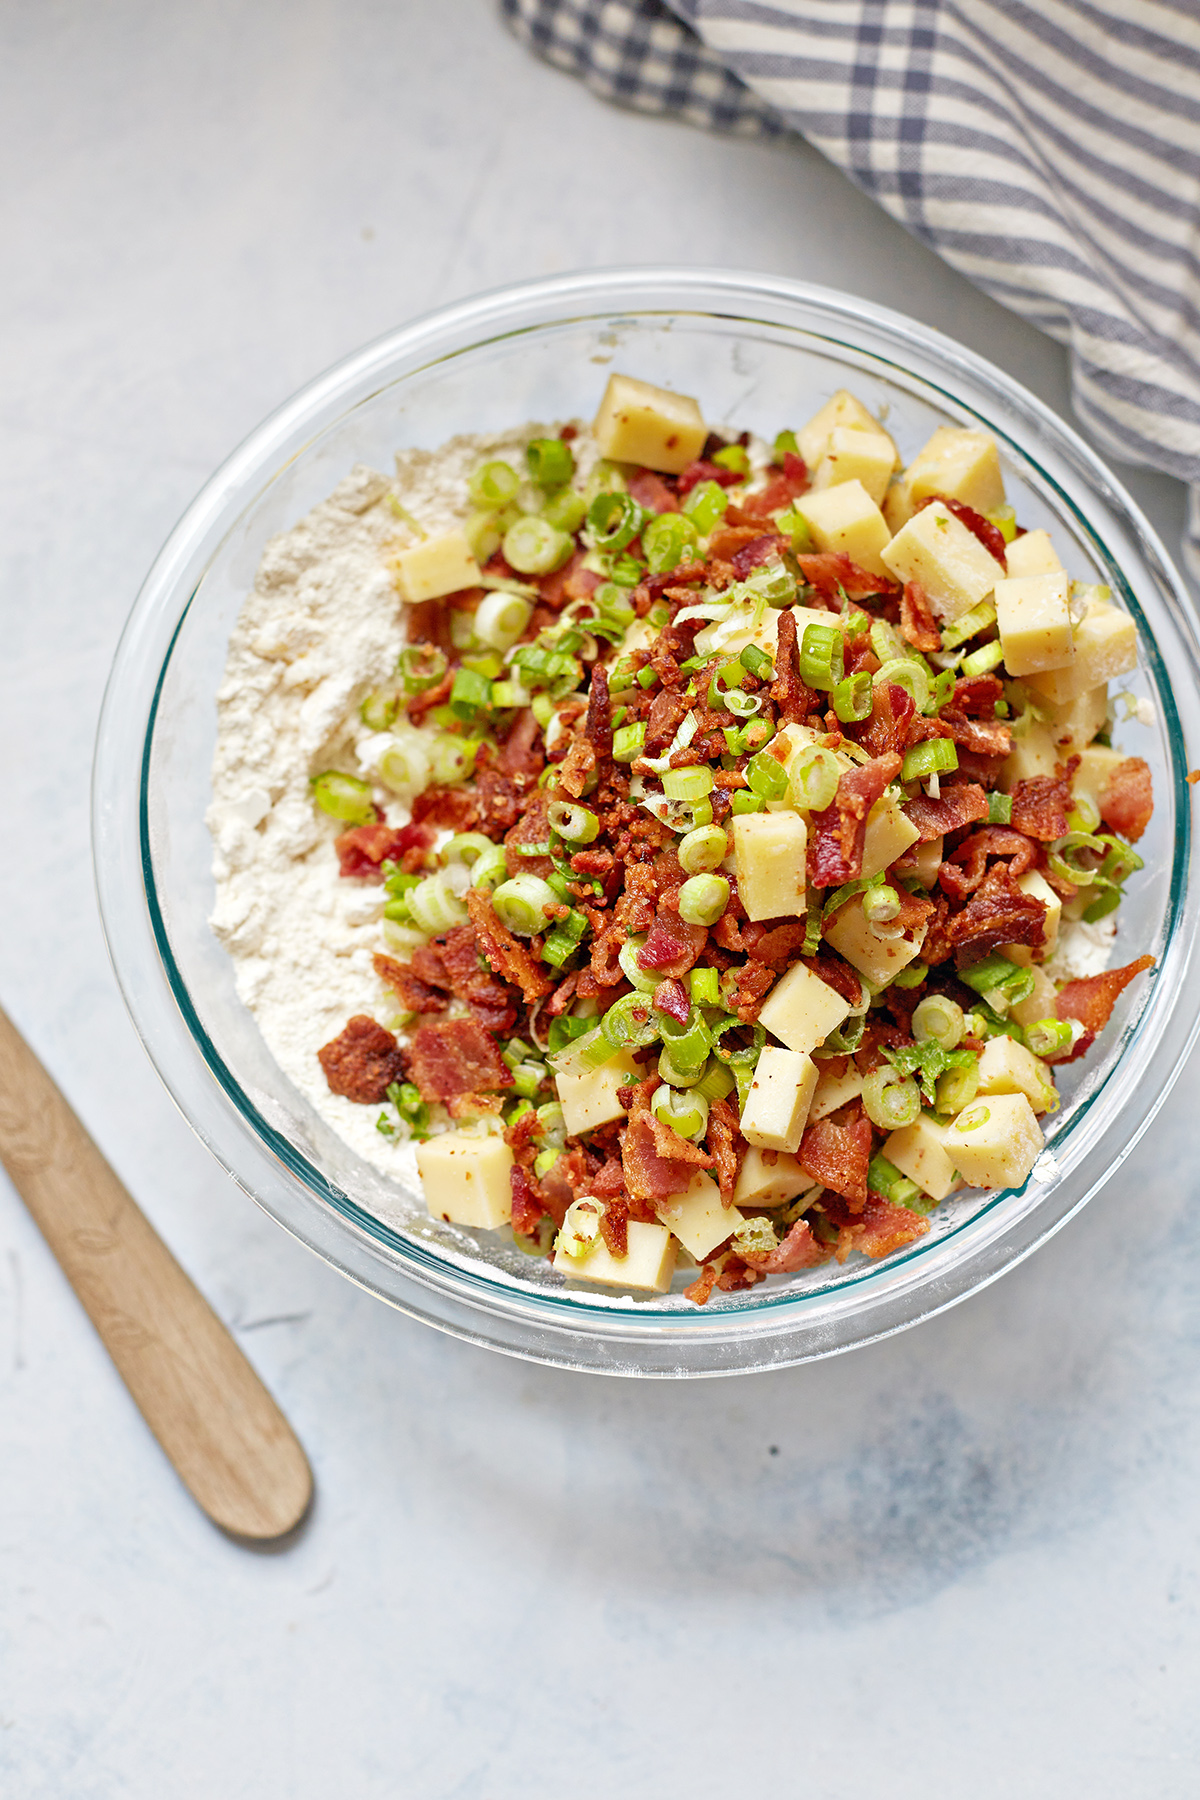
(846, 518)
(869, 948)
(1033, 553)
(466, 1179)
(919, 1151)
(995, 1142)
(1036, 753)
(1040, 1004)
(588, 1097)
(854, 455)
(1034, 623)
(927, 862)
(1075, 723)
(697, 1217)
(1006, 1067)
(801, 1009)
(962, 465)
(771, 1178)
(1105, 646)
(638, 423)
(768, 852)
(781, 1092)
(833, 1091)
(1039, 887)
(437, 566)
(951, 564)
(843, 411)
(1097, 764)
(649, 1264)
(888, 835)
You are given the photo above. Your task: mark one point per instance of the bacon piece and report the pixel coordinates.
(724, 1133)
(455, 1056)
(658, 1163)
(781, 489)
(598, 728)
(672, 997)
(876, 1230)
(505, 954)
(362, 1062)
(527, 1209)
(667, 713)
(758, 551)
(977, 695)
(499, 800)
(890, 726)
(988, 534)
(836, 848)
(701, 1289)
(964, 869)
(609, 1180)
(420, 704)
(836, 1152)
(450, 809)
(414, 995)
(1127, 798)
(781, 945)
(493, 1004)
(1040, 804)
(998, 913)
(652, 492)
(1092, 998)
(917, 621)
(963, 804)
(982, 737)
(521, 853)
(576, 768)
(799, 1250)
(702, 470)
(793, 698)
(672, 946)
(614, 1227)
(521, 752)
(747, 987)
(832, 569)
(569, 1178)
(836, 974)
(571, 582)
(362, 849)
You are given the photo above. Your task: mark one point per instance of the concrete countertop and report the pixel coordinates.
(961, 1562)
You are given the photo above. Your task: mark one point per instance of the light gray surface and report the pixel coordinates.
(960, 1563)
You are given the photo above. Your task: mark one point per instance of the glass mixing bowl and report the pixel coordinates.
(759, 352)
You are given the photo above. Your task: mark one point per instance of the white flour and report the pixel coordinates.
(322, 627)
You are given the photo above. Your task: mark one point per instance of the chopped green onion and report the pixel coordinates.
(453, 759)
(688, 784)
(536, 547)
(483, 533)
(508, 695)
(716, 1081)
(957, 1087)
(523, 904)
(940, 1018)
(766, 776)
(687, 1045)
(630, 1023)
(705, 505)
(614, 520)
(501, 619)
(467, 847)
(852, 698)
(1085, 815)
(566, 510)
(999, 809)
(907, 673)
(1108, 901)
(814, 780)
(1062, 857)
(378, 709)
(646, 677)
(881, 905)
(470, 694)
(528, 1078)
(703, 849)
(746, 802)
(491, 869)
(822, 657)
(577, 824)
(969, 625)
(343, 797)
(1004, 518)
(784, 442)
(911, 977)
(562, 943)
(883, 1177)
(757, 662)
(644, 980)
(887, 643)
(628, 742)
(680, 1078)
(494, 484)
(941, 691)
(551, 461)
(935, 756)
(732, 456)
(704, 985)
(564, 1030)
(434, 907)
(667, 540)
(981, 661)
(684, 1110)
(1050, 1037)
(405, 1096)
(742, 706)
(794, 525)
(703, 899)
(421, 666)
(890, 1100)
(1002, 983)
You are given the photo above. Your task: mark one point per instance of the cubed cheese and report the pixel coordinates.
(846, 518)
(1097, 764)
(841, 411)
(1034, 623)
(781, 1092)
(638, 423)
(1006, 1067)
(833, 1091)
(919, 1151)
(951, 564)
(1039, 887)
(1040, 1004)
(649, 1265)
(963, 465)
(1074, 724)
(868, 947)
(888, 835)
(466, 1179)
(995, 1142)
(1036, 753)
(697, 1217)
(1105, 646)
(768, 851)
(770, 1178)
(588, 1097)
(927, 862)
(801, 1009)
(1033, 553)
(436, 566)
(856, 455)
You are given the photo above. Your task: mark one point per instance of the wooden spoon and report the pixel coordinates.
(212, 1415)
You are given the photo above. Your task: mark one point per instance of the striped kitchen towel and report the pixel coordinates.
(1048, 149)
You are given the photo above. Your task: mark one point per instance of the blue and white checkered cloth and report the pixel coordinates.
(1048, 149)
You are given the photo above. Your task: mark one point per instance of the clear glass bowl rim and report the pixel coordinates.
(777, 1329)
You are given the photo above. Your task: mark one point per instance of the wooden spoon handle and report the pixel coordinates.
(216, 1421)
